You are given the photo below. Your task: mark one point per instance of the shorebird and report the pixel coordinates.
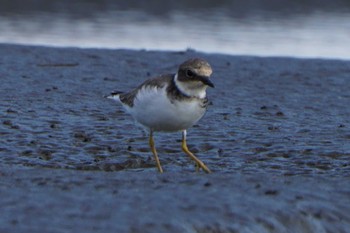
(170, 102)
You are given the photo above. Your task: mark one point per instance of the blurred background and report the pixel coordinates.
(298, 28)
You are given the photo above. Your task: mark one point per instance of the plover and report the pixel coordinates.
(170, 102)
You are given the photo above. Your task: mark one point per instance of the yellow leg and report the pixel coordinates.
(154, 151)
(199, 164)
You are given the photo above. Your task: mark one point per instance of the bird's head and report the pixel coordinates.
(193, 77)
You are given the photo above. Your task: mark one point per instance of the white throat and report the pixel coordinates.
(191, 88)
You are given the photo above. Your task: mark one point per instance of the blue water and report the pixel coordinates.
(269, 29)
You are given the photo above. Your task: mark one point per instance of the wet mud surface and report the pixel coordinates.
(276, 136)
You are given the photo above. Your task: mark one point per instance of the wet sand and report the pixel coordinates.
(276, 136)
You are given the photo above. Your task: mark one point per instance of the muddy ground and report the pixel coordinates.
(276, 136)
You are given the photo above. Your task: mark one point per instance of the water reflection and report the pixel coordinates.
(232, 27)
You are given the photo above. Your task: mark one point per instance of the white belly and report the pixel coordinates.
(153, 109)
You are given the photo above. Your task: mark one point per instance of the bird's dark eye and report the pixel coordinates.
(189, 73)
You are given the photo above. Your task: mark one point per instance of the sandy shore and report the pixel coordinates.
(276, 136)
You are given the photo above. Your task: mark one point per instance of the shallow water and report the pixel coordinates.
(267, 28)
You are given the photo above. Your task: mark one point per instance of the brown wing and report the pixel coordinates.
(160, 81)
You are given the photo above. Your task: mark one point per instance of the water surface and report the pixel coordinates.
(232, 27)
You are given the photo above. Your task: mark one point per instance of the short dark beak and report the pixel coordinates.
(206, 81)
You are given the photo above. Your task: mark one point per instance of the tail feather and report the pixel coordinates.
(114, 95)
